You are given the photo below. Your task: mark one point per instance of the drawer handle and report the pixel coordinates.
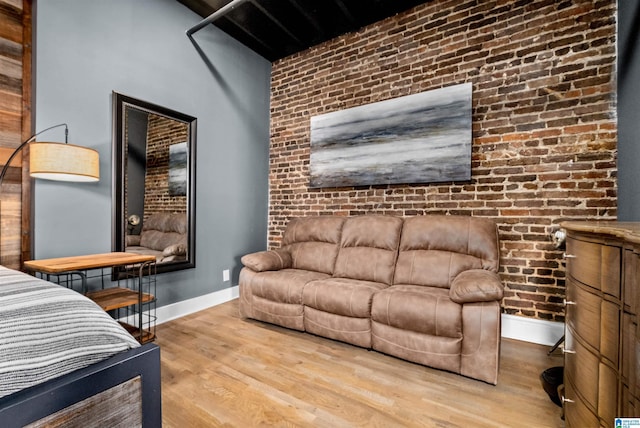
(569, 302)
(568, 351)
(566, 400)
(569, 256)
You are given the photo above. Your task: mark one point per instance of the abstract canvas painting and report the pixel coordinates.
(420, 138)
(178, 169)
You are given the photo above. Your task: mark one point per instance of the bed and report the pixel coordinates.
(64, 361)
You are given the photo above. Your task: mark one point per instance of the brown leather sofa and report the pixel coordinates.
(163, 235)
(424, 288)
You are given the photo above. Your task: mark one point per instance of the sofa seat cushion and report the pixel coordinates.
(341, 296)
(356, 331)
(420, 309)
(159, 240)
(284, 286)
(275, 296)
(434, 351)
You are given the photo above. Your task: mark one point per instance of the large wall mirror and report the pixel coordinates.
(154, 182)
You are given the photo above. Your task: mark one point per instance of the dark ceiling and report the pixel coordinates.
(278, 28)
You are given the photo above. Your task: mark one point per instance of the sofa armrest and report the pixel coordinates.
(132, 240)
(175, 250)
(267, 260)
(476, 285)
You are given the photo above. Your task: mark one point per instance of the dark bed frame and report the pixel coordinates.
(34, 403)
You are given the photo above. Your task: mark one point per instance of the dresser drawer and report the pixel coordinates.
(577, 415)
(582, 369)
(630, 354)
(631, 275)
(629, 404)
(583, 313)
(607, 393)
(596, 265)
(610, 331)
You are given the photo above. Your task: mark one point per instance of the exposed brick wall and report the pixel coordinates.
(162, 133)
(544, 128)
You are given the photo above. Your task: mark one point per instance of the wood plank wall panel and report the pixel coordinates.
(15, 126)
(27, 131)
(116, 407)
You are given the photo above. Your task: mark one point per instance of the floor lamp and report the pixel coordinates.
(58, 161)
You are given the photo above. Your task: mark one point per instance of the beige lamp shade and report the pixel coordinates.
(63, 162)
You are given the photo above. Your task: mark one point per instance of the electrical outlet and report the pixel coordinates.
(225, 275)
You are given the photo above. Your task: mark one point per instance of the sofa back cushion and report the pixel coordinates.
(162, 230)
(434, 249)
(313, 242)
(369, 248)
(166, 222)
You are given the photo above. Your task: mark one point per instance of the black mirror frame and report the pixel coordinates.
(118, 227)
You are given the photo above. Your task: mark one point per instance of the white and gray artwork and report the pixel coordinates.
(178, 169)
(420, 138)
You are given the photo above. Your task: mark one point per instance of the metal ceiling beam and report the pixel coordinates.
(345, 11)
(278, 23)
(215, 15)
(310, 19)
(250, 35)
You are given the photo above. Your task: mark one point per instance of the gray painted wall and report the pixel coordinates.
(628, 110)
(85, 49)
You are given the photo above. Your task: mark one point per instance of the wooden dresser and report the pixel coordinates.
(602, 339)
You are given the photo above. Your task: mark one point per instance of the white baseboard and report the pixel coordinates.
(531, 330)
(186, 307)
(513, 327)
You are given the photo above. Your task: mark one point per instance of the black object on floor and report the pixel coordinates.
(554, 347)
(551, 379)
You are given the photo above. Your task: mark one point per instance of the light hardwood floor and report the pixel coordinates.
(221, 370)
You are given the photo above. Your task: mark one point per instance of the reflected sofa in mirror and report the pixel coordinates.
(154, 182)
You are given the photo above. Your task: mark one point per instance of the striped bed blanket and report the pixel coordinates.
(47, 331)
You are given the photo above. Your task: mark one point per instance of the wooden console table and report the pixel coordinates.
(120, 283)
